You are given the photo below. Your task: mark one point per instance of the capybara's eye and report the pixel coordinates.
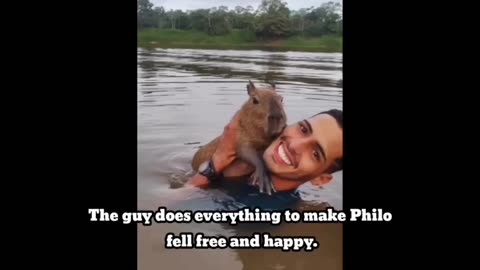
(255, 100)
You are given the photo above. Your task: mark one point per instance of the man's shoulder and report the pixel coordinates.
(238, 168)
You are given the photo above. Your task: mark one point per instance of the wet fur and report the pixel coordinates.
(259, 125)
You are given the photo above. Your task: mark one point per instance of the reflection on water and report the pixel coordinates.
(185, 97)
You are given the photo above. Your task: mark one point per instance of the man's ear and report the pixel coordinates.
(322, 179)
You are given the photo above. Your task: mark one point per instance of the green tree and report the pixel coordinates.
(324, 19)
(145, 14)
(243, 18)
(160, 17)
(199, 20)
(273, 20)
(218, 21)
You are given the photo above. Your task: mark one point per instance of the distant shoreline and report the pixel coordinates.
(168, 38)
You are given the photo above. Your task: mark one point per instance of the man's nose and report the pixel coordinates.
(298, 145)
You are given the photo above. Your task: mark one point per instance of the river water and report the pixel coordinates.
(185, 97)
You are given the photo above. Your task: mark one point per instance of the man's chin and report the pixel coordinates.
(282, 174)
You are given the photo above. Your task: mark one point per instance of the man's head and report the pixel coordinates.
(309, 150)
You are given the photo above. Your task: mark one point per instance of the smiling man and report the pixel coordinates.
(309, 150)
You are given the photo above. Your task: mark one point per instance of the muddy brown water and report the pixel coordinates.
(185, 97)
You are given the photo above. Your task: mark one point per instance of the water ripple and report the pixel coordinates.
(186, 96)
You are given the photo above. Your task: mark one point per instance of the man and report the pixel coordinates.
(310, 150)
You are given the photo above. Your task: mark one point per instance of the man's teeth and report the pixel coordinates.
(283, 156)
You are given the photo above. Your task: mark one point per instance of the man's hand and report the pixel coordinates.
(226, 151)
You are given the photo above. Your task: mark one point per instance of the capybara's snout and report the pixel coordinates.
(277, 120)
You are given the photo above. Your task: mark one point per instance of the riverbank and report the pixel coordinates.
(167, 38)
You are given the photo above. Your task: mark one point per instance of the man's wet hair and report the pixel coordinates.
(338, 115)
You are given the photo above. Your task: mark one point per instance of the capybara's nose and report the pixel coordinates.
(276, 116)
(278, 132)
(278, 124)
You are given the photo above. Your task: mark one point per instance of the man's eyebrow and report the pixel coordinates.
(308, 125)
(319, 146)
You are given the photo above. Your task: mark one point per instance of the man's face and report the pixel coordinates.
(305, 149)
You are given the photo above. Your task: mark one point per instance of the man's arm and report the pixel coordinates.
(219, 163)
(225, 152)
(234, 170)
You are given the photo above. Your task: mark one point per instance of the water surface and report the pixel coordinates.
(185, 98)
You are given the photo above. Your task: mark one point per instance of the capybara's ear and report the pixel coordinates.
(250, 88)
(272, 83)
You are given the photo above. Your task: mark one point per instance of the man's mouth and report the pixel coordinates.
(280, 155)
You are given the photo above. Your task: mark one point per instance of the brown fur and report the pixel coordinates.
(257, 131)
(204, 153)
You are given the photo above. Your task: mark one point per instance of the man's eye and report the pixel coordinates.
(303, 129)
(316, 155)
